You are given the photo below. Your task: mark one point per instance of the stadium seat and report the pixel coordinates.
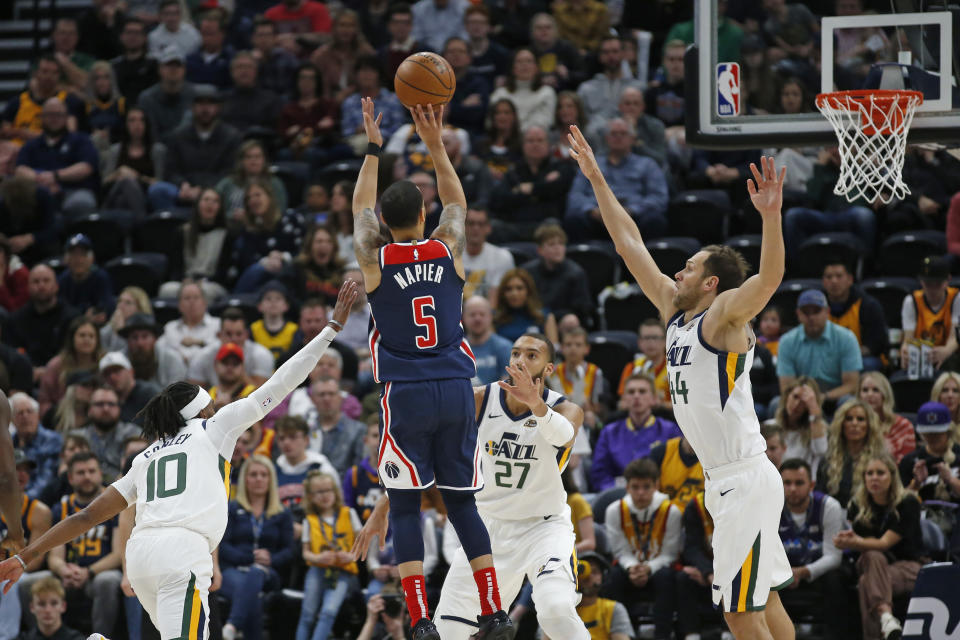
(610, 354)
(822, 248)
(705, 213)
(601, 265)
(626, 338)
(165, 310)
(671, 254)
(106, 233)
(163, 233)
(294, 176)
(902, 253)
(144, 270)
(625, 307)
(749, 246)
(786, 296)
(602, 501)
(890, 293)
(933, 539)
(909, 394)
(521, 251)
(246, 302)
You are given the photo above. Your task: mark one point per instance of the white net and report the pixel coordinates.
(871, 127)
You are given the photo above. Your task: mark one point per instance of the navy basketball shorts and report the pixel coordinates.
(428, 434)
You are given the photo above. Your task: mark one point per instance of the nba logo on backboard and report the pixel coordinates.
(728, 89)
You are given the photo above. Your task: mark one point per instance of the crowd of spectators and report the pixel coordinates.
(242, 120)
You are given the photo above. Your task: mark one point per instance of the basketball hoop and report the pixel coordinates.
(871, 127)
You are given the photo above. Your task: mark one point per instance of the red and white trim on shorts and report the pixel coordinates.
(373, 342)
(387, 438)
(465, 348)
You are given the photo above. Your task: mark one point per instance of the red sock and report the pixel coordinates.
(415, 593)
(486, 580)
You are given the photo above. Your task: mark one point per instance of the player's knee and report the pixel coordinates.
(404, 501)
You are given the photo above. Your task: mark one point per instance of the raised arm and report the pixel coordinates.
(10, 496)
(225, 427)
(737, 306)
(451, 227)
(366, 224)
(657, 286)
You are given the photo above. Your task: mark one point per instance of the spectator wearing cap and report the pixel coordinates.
(195, 328)
(167, 103)
(35, 515)
(173, 31)
(83, 284)
(638, 183)
(850, 307)
(434, 21)
(198, 153)
(931, 313)
(13, 278)
(151, 362)
(272, 330)
(40, 444)
(132, 394)
(248, 104)
(232, 383)
(38, 327)
(257, 360)
(106, 432)
(64, 162)
(827, 352)
(211, 63)
(932, 470)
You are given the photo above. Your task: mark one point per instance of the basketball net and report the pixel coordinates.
(871, 128)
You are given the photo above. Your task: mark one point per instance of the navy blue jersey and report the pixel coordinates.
(415, 330)
(95, 543)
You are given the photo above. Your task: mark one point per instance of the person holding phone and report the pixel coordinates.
(385, 609)
(933, 469)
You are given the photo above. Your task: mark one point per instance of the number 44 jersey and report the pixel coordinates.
(521, 470)
(180, 482)
(711, 393)
(415, 330)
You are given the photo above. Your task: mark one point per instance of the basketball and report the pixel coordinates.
(424, 78)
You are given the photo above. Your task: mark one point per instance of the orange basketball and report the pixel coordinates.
(424, 78)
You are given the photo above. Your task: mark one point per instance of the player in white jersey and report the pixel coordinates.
(527, 433)
(708, 307)
(180, 484)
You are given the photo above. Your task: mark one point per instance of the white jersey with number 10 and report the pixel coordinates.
(711, 394)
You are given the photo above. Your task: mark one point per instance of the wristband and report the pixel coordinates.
(555, 428)
(20, 560)
(336, 325)
(374, 150)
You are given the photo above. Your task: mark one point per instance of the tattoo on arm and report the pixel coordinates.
(452, 227)
(366, 237)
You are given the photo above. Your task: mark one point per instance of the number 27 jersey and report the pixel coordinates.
(415, 330)
(712, 396)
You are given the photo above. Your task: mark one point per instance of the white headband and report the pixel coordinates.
(200, 401)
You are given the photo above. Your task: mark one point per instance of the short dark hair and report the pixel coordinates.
(167, 3)
(232, 314)
(313, 303)
(400, 204)
(399, 8)
(134, 20)
(651, 322)
(291, 424)
(833, 262)
(551, 350)
(576, 331)
(727, 264)
(795, 464)
(547, 231)
(642, 376)
(368, 62)
(477, 8)
(641, 469)
(260, 21)
(81, 456)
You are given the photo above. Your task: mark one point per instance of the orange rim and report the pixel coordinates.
(874, 105)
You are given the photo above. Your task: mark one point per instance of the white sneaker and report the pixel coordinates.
(890, 627)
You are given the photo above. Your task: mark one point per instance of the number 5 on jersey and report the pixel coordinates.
(425, 320)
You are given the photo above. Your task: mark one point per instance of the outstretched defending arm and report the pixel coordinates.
(225, 427)
(737, 306)
(656, 285)
(10, 495)
(366, 224)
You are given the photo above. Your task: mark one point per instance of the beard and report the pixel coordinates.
(684, 301)
(533, 376)
(105, 425)
(144, 364)
(50, 132)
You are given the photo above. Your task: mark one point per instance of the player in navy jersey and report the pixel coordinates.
(428, 433)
